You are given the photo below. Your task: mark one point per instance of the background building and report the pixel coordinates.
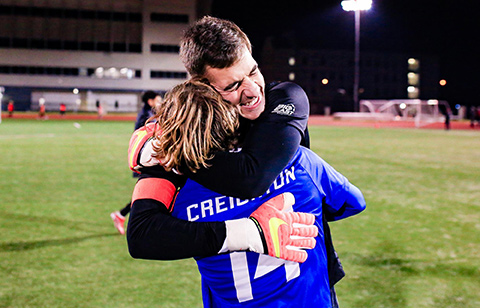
(87, 53)
(90, 52)
(327, 75)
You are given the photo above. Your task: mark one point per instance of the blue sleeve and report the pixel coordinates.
(354, 204)
(341, 199)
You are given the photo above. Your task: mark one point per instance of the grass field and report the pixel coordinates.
(416, 245)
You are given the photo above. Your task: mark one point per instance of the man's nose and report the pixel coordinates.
(250, 87)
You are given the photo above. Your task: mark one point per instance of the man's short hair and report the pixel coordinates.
(149, 95)
(212, 42)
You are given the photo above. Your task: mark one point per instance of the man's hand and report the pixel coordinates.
(275, 230)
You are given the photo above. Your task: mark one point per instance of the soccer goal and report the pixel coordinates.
(423, 112)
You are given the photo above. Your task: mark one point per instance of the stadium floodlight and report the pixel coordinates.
(356, 6)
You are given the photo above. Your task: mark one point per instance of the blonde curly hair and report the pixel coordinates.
(193, 123)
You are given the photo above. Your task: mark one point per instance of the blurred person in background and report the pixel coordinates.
(10, 109)
(472, 116)
(41, 111)
(63, 109)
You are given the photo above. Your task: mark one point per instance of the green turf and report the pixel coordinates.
(416, 245)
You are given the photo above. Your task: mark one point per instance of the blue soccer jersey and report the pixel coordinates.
(249, 279)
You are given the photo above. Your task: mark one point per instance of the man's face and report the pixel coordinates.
(241, 84)
(154, 101)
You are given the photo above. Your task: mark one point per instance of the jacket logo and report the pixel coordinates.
(282, 109)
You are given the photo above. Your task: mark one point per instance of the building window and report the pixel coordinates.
(95, 30)
(34, 11)
(413, 79)
(114, 73)
(167, 75)
(111, 73)
(413, 64)
(171, 18)
(74, 45)
(164, 48)
(38, 70)
(413, 92)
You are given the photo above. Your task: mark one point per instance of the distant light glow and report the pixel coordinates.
(432, 102)
(413, 92)
(442, 82)
(413, 79)
(356, 5)
(325, 81)
(114, 73)
(413, 64)
(403, 106)
(41, 101)
(291, 76)
(291, 61)
(457, 106)
(99, 72)
(75, 91)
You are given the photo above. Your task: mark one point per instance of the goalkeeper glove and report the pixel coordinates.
(274, 230)
(140, 148)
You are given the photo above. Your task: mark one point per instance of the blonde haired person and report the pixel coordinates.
(190, 125)
(194, 122)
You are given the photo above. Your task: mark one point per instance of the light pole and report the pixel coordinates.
(356, 6)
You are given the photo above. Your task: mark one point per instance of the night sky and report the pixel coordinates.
(446, 29)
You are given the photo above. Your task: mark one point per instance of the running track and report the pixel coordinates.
(313, 120)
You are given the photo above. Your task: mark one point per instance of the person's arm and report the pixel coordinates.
(342, 198)
(268, 146)
(354, 204)
(154, 234)
(249, 173)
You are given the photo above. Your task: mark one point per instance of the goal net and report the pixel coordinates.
(423, 112)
